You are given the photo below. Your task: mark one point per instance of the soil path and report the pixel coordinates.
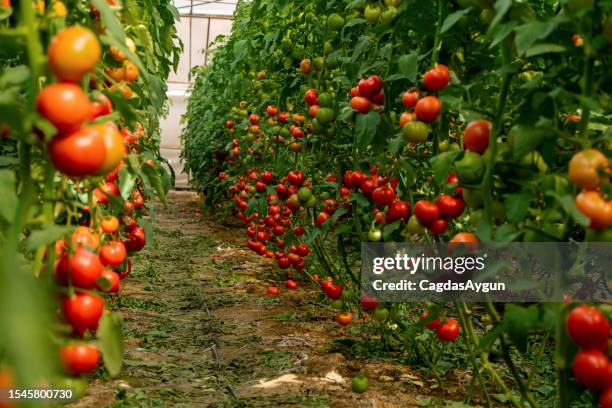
(201, 332)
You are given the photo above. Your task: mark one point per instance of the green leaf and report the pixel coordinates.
(501, 8)
(483, 231)
(519, 321)
(361, 46)
(544, 48)
(506, 233)
(365, 128)
(525, 139)
(528, 34)
(442, 164)
(45, 236)
(453, 18)
(389, 229)
(311, 235)
(408, 65)
(517, 206)
(127, 180)
(8, 203)
(110, 342)
(567, 203)
(360, 199)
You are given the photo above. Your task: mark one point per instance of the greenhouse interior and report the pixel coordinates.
(291, 203)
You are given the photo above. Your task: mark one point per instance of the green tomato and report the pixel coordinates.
(296, 53)
(319, 63)
(335, 22)
(78, 385)
(328, 48)
(326, 100)
(534, 162)
(250, 137)
(473, 197)
(311, 202)
(304, 194)
(443, 146)
(360, 384)
(381, 314)
(284, 132)
(337, 304)
(392, 3)
(311, 17)
(415, 132)
(471, 168)
(316, 126)
(454, 147)
(347, 295)
(388, 15)
(372, 14)
(374, 235)
(325, 116)
(332, 62)
(331, 131)
(414, 226)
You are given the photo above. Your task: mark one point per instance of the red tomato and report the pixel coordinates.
(229, 124)
(410, 98)
(426, 212)
(331, 290)
(383, 195)
(83, 267)
(448, 331)
(312, 111)
(254, 118)
(605, 399)
(588, 327)
(136, 240)
(311, 97)
(100, 106)
(83, 311)
(82, 236)
(370, 86)
(449, 206)
(73, 52)
(110, 224)
(590, 368)
(360, 104)
(113, 280)
(476, 135)
(79, 358)
(593, 205)
(65, 105)
(368, 302)
(585, 166)
(428, 108)
(273, 291)
(464, 238)
(438, 226)
(79, 154)
(290, 284)
(113, 253)
(436, 78)
(432, 325)
(296, 178)
(398, 210)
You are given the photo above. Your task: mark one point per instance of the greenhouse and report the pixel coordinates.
(290, 203)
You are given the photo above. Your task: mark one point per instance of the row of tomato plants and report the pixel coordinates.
(324, 124)
(81, 92)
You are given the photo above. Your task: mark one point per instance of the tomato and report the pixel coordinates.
(325, 116)
(436, 78)
(438, 226)
(136, 240)
(476, 135)
(449, 206)
(229, 124)
(254, 119)
(374, 235)
(470, 169)
(370, 86)
(115, 148)
(358, 178)
(605, 399)
(82, 236)
(100, 106)
(113, 253)
(428, 108)
(107, 189)
(381, 314)
(116, 73)
(118, 54)
(426, 212)
(410, 98)
(464, 237)
(398, 210)
(406, 117)
(78, 154)
(112, 281)
(73, 52)
(125, 269)
(310, 96)
(372, 14)
(368, 302)
(335, 22)
(383, 195)
(273, 291)
(110, 224)
(448, 331)
(331, 290)
(131, 71)
(83, 311)
(584, 168)
(299, 231)
(296, 178)
(290, 284)
(344, 318)
(79, 358)
(312, 111)
(590, 368)
(138, 200)
(65, 105)
(414, 226)
(432, 325)
(593, 205)
(415, 131)
(83, 267)
(305, 66)
(360, 384)
(360, 104)
(588, 327)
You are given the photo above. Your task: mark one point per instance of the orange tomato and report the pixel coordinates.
(584, 168)
(116, 73)
(593, 205)
(131, 71)
(344, 318)
(80, 153)
(65, 105)
(110, 224)
(115, 148)
(83, 236)
(73, 52)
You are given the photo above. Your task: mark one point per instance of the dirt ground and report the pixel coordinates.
(200, 331)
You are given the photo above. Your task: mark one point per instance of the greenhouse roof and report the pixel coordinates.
(206, 7)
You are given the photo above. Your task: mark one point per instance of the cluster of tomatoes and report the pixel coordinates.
(368, 94)
(589, 169)
(589, 328)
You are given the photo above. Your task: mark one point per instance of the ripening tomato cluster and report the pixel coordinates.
(589, 169)
(589, 328)
(368, 94)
